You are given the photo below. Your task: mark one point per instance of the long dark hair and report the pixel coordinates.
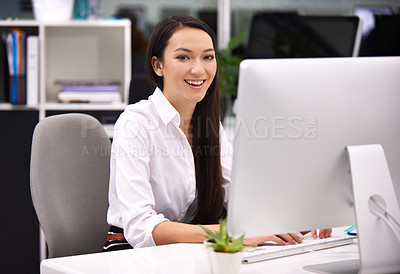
(205, 122)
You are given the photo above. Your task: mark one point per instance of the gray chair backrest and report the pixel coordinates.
(70, 164)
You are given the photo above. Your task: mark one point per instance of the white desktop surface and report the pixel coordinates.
(185, 258)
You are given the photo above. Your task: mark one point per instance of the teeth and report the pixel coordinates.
(195, 83)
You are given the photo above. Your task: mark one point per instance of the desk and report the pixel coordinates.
(185, 258)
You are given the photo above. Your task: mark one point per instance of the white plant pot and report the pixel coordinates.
(222, 263)
(53, 10)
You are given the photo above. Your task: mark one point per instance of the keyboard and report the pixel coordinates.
(271, 251)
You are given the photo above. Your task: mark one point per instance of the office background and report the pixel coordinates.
(242, 10)
(21, 245)
(152, 11)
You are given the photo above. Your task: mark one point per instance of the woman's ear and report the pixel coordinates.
(157, 66)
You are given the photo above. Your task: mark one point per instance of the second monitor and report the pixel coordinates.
(289, 35)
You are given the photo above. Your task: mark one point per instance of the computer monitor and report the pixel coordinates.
(384, 38)
(209, 17)
(289, 35)
(367, 14)
(291, 169)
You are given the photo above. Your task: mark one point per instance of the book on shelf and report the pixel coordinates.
(19, 67)
(4, 73)
(32, 71)
(89, 91)
(15, 42)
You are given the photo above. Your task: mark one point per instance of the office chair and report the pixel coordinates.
(69, 183)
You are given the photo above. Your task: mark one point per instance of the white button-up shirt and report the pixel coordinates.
(152, 175)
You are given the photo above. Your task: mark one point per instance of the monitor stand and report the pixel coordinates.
(377, 215)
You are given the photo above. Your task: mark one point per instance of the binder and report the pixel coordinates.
(15, 46)
(4, 74)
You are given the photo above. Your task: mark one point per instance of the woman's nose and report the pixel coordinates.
(197, 68)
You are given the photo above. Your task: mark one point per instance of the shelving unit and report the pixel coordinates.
(90, 50)
(79, 50)
(74, 50)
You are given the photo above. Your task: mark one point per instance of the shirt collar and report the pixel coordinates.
(164, 108)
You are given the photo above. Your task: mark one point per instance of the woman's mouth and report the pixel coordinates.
(195, 83)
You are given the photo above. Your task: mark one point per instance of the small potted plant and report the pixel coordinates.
(224, 253)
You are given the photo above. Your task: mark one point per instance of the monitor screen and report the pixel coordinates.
(384, 38)
(289, 35)
(367, 13)
(210, 18)
(294, 119)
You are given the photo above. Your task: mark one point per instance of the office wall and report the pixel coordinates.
(154, 8)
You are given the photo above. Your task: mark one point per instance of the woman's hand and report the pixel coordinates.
(289, 238)
(282, 239)
(323, 233)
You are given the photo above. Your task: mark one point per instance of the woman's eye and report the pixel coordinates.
(182, 57)
(209, 57)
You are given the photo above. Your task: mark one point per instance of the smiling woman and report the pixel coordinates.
(183, 65)
(167, 171)
(171, 160)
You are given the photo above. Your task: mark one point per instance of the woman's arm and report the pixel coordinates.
(173, 232)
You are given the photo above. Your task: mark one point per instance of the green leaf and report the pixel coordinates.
(228, 66)
(221, 241)
(237, 244)
(236, 40)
